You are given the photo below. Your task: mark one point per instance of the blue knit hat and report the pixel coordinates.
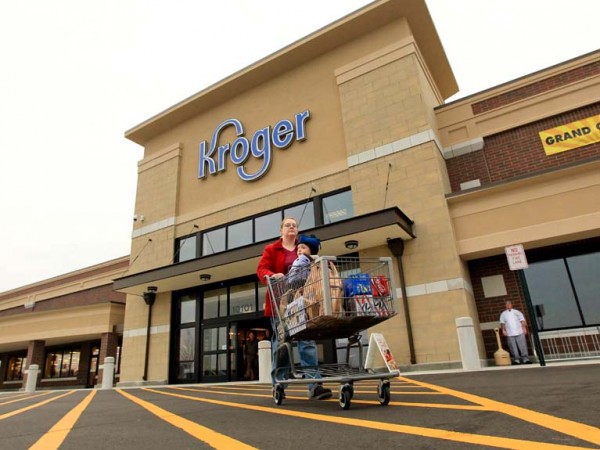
(311, 241)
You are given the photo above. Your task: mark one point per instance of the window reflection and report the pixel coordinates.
(239, 234)
(186, 248)
(242, 299)
(209, 366)
(215, 303)
(585, 272)
(304, 215)
(211, 342)
(15, 367)
(61, 364)
(213, 242)
(188, 310)
(187, 344)
(337, 207)
(550, 288)
(267, 226)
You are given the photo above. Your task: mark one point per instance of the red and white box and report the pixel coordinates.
(380, 286)
(367, 305)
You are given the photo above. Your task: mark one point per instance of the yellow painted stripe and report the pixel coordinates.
(204, 434)
(25, 397)
(57, 434)
(490, 441)
(362, 402)
(27, 408)
(569, 427)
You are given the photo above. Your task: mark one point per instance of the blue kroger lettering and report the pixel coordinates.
(284, 134)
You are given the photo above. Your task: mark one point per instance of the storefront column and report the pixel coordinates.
(3, 368)
(108, 347)
(36, 352)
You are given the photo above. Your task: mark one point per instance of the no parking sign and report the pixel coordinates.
(516, 257)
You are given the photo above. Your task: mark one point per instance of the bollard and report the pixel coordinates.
(108, 372)
(264, 361)
(32, 375)
(468, 344)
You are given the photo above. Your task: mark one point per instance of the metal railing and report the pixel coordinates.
(577, 343)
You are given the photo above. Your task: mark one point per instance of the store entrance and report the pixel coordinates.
(260, 329)
(223, 345)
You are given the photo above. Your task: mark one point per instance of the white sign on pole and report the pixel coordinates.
(516, 257)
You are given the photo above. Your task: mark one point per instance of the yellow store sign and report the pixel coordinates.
(570, 136)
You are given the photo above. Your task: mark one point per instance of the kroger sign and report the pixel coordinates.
(213, 160)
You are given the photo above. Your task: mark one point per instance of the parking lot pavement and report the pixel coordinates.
(552, 407)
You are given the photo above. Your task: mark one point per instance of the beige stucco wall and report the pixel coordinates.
(542, 210)
(61, 326)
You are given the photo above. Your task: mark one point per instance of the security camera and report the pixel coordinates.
(135, 217)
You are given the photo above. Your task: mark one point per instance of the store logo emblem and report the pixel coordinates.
(213, 160)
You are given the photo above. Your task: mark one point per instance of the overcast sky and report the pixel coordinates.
(76, 74)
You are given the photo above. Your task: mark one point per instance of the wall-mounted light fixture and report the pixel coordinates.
(205, 277)
(352, 244)
(150, 295)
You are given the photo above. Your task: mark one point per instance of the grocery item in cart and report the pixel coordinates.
(314, 294)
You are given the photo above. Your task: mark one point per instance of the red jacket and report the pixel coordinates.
(272, 261)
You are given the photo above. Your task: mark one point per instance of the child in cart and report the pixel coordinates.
(307, 248)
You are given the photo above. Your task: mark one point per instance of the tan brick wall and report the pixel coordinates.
(382, 105)
(134, 339)
(156, 200)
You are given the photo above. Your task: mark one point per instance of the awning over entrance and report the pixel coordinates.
(370, 230)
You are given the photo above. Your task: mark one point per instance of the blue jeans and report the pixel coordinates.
(308, 358)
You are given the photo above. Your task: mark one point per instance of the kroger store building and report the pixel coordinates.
(347, 131)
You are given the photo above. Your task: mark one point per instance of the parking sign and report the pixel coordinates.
(516, 257)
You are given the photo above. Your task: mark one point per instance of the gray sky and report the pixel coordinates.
(76, 74)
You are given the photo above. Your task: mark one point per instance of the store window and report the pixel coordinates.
(215, 304)
(213, 242)
(315, 211)
(62, 363)
(187, 352)
(188, 310)
(564, 291)
(242, 299)
(304, 215)
(267, 226)
(239, 234)
(14, 369)
(214, 361)
(187, 248)
(337, 207)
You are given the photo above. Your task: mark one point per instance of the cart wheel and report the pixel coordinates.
(383, 392)
(345, 397)
(278, 394)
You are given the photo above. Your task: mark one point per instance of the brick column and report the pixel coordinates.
(36, 353)
(108, 347)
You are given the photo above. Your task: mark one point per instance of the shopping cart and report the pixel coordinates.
(336, 298)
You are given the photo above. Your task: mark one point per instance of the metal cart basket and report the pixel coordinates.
(332, 298)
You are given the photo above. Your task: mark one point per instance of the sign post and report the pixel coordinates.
(517, 261)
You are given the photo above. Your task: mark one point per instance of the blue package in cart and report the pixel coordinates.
(357, 284)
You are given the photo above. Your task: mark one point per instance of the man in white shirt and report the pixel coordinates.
(514, 328)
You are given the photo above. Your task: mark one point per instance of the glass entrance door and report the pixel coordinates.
(219, 350)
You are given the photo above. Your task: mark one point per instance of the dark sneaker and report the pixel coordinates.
(516, 363)
(318, 392)
(527, 362)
